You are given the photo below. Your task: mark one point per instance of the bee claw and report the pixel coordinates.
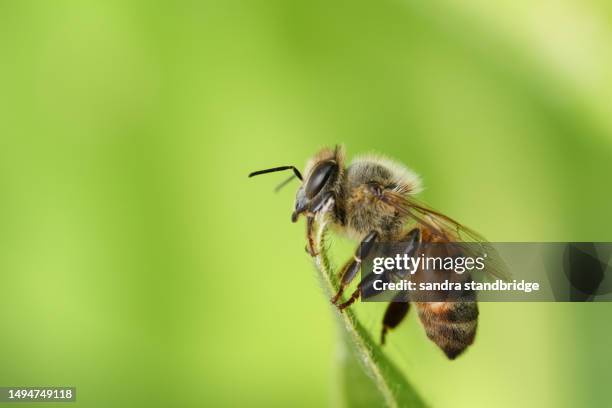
(350, 301)
(338, 307)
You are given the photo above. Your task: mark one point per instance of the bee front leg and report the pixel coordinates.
(310, 231)
(352, 267)
(318, 208)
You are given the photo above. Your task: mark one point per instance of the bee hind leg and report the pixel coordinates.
(395, 313)
(352, 267)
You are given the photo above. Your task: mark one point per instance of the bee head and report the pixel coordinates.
(322, 181)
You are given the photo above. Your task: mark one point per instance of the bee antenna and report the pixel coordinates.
(296, 172)
(284, 183)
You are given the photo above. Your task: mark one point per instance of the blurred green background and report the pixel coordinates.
(140, 264)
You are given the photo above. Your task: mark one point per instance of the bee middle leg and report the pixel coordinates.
(352, 267)
(412, 239)
(363, 287)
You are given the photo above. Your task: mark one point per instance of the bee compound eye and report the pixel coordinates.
(319, 177)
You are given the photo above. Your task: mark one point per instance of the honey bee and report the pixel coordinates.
(373, 200)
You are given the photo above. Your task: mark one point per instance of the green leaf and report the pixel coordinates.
(367, 377)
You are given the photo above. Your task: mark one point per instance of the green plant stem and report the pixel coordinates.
(395, 390)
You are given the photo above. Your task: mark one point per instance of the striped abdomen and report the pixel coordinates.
(451, 325)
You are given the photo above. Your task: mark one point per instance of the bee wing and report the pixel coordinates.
(441, 228)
